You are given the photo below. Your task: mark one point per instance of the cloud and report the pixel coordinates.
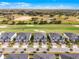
(61, 6)
(24, 5)
(4, 3)
(8, 5)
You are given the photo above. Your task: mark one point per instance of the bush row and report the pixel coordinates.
(28, 22)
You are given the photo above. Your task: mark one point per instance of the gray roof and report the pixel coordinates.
(40, 36)
(17, 56)
(6, 36)
(72, 36)
(23, 36)
(69, 56)
(44, 56)
(55, 36)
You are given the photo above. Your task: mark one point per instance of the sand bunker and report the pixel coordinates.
(3, 26)
(36, 30)
(76, 25)
(29, 25)
(77, 20)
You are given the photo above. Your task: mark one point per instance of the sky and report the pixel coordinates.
(39, 4)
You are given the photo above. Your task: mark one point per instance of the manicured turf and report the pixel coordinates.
(40, 28)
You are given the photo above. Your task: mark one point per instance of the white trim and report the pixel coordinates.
(13, 37)
(30, 36)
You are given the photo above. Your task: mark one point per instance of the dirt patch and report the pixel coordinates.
(23, 18)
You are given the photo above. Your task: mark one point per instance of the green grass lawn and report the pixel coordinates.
(38, 28)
